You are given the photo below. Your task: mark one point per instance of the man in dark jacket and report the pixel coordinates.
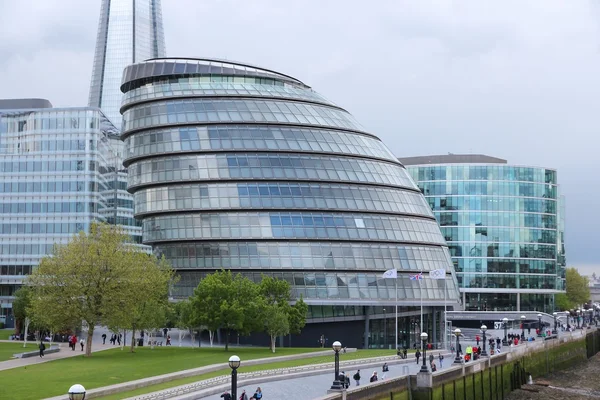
(356, 377)
(226, 396)
(418, 355)
(42, 348)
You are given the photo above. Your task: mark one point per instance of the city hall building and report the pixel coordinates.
(244, 168)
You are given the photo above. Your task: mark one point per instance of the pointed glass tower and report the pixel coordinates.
(129, 31)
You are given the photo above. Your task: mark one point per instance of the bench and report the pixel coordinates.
(36, 353)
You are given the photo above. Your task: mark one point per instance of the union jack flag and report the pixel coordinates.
(416, 277)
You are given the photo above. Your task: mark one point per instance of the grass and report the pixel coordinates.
(5, 333)
(253, 368)
(8, 349)
(115, 366)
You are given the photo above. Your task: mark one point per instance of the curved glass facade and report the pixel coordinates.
(503, 228)
(238, 167)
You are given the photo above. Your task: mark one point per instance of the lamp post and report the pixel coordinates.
(555, 331)
(539, 325)
(483, 352)
(523, 318)
(457, 333)
(505, 324)
(424, 367)
(337, 385)
(77, 392)
(384, 330)
(234, 364)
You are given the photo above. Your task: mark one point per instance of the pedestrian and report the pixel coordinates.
(73, 342)
(104, 338)
(346, 381)
(385, 368)
(168, 340)
(243, 396)
(165, 334)
(477, 339)
(418, 355)
(498, 343)
(430, 358)
(356, 377)
(404, 353)
(258, 394)
(441, 360)
(42, 348)
(119, 336)
(373, 377)
(82, 343)
(226, 396)
(433, 367)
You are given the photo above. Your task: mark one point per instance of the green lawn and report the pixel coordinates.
(5, 333)
(283, 364)
(8, 349)
(115, 366)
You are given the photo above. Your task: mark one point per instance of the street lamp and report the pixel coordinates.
(424, 340)
(234, 364)
(384, 330)
(76, 392)
(457, 333)
(555, 331)
(539, 325)
(505, 324)
(523, 318)
(337, 385)
(483, 352)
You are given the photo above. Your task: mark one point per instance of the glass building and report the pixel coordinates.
(129, 31)
(504, 225)
(244, 168)
(56, 171)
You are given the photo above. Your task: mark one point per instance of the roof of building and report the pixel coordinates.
(24, 104)
(452, 159)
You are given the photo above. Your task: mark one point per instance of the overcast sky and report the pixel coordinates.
(514, 79)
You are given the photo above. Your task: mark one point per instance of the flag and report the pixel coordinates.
(416, 277)
(437, 274)
(390, 273)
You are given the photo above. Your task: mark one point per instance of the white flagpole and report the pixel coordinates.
(421, 290)
(445, 318)
(396, 314)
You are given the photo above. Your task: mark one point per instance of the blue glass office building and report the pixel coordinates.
(57, 171)
(244, 168)
(504, 225)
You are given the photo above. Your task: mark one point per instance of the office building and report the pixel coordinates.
(244, 168)
(129, 31)
(504, 225)
(56, 170)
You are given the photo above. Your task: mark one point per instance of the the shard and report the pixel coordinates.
(129, 31)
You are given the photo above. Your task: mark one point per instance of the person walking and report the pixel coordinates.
(42, 348)
(73, 342)
(477, 339)
(431, 358)
(226, 396)
(104, 338)
(373, 377)
(257, 394)
(441, 360)
(356, 377)
(243, 396)
(82, 343)
(119, 336)
(168, 340)
(418, 355)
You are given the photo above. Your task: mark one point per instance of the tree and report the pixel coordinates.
(97, 278)
(277, 323)
(578, 287)
(147, 310)
(279, 315)
(225, 301)
(20, 305)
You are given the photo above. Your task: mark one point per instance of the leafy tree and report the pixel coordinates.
(562, 302)
(578, 287)
(277, 323)
(20, 305)
(96, 278)
(276, 295)
(225, 301)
